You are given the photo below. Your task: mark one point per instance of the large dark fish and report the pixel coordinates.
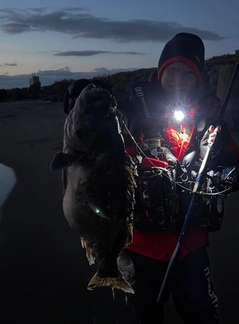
(99, 183)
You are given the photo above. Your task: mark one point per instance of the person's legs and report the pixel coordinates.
(149, 274)
(192, 290)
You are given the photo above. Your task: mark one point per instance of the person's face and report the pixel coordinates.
(178, 78)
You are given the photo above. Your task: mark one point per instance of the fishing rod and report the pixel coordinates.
(198, 182)
(187, 219)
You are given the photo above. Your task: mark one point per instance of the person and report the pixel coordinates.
(168, 153)
(156, 140)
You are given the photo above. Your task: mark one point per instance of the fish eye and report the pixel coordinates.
(97, 211)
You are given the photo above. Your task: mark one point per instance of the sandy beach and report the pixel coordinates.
(44, 271)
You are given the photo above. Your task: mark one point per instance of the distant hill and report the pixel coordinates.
(121, 82)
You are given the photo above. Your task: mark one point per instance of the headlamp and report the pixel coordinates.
(178, 114)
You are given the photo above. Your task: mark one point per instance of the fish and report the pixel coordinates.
(98, 183)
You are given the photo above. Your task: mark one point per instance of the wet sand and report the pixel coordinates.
(44, 271)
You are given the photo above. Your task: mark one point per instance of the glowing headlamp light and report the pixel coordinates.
(178, 114)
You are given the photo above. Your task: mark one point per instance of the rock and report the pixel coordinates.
(3, 94)
(17, 94)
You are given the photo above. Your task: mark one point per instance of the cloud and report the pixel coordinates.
(78, 23)
(10, 64)
(48, 77)
(14, 28)
(91, 53)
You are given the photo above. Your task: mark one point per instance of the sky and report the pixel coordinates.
(73, 39)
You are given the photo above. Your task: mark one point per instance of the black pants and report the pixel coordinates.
(189, 284)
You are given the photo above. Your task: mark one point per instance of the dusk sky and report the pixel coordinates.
(81, 39)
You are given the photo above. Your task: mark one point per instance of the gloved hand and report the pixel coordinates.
(212, 133)
(210, 137)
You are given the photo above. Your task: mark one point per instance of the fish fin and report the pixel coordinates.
(60, 161)
(83, 243)
(118, 283)
(88, 251)
(63, 160)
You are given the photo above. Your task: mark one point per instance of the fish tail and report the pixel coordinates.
(118, 282)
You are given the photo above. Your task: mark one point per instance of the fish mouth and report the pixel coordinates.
(94, 91)
(94, 96)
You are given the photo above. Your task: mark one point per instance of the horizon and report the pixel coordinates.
(58, 42)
